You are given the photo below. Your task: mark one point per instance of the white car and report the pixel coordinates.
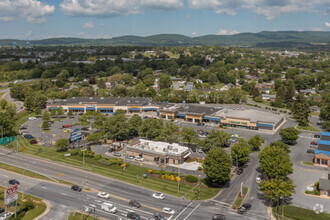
(258, 179)
(139, 158)
(168, 211)
(108, 207)
(32, 118)
(158, 195)
(103, 195)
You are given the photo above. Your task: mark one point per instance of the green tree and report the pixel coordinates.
(53, 112)
(275, 162)
(240, 152)
(216, 139)
(101, 83)
(45, 125)
(289, 135)
(34, 100)
(94, 137)
(62, 143)
(301, 110)
(255, 142)
(280, 144)
(60, 111)
(217, 165)
(134, 124)
(46, 116)
(38, 111)
(116, 127)
(169, 133)
(70, 113)
(254, 92)
(189, 135)
(151, 128)
(164, 81)
(325, 113)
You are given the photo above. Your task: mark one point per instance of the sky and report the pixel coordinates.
(40, 19)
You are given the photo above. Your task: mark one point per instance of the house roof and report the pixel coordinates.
(324, 184)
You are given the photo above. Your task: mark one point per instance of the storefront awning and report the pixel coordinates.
(76, 108)
(133, 109)
(187, 155)
(90, 109)
(105, 109)
(149, 109)
(211, 119)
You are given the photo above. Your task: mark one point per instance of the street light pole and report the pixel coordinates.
(179, 178)
(23, 186)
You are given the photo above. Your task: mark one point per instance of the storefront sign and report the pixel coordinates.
(238, 122)
(90, 106)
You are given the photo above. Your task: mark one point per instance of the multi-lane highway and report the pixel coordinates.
(63, 197)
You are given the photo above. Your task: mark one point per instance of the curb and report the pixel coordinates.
(270, 213)
(49, 207)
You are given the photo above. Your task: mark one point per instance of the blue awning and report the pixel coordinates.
(76, 108)
(108, 109)
(211, 119)
(90, 109)
(51, 108)
(149, 109)
(265, 125)
(324, 142)
(133, 109)
(180, 115)
(323, 133)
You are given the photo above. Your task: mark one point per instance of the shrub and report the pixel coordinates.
(74, 152)
(104, 162)
(317, 192)
(191, 179)
(155, 172)
(200, 168)
(120, 161)
(113, 160)
(317, 185)
(97, 157)
(308, 192)
(64, 149)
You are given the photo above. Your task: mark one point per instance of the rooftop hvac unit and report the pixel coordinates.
(226, 111)
(80, 103)
(165, 149)
(176, 150)
(73, 97)
(170, 147)
(90, 97)
(102, 98)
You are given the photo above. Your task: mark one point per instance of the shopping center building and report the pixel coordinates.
(322, 153)
(215, 115)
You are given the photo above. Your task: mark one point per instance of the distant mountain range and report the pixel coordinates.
(261, 39)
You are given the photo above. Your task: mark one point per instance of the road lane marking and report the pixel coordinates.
(183, 210)
(192, 211)
(6, 176)
(64, 194)
(43, 187)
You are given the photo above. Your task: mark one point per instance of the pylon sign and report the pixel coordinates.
(11, 194)
(6, 140)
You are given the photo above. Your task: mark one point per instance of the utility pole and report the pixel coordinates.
(179, 178)
(17, 143)
(83, 157)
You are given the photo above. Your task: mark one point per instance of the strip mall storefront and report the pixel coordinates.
(240, 123)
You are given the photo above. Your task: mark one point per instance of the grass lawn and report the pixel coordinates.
(307, 128)
(239, 198)
(297, 213)
(308, 163)
(39, 206)
(172, 55)
(114, 171)
(78, 216)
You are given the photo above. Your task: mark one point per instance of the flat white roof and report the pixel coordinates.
(161, 147)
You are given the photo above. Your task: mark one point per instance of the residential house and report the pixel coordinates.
(226, 87)
(189, 86)
(307, 91)
(178, 85)
(268, 97)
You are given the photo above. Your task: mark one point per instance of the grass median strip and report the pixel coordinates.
(239, 199)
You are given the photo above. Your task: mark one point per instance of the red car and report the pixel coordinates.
(66, 126)
(33, 141)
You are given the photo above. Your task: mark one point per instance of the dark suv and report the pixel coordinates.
(13, 182)
(76, 188)
(218, 217)
(134, 204)
(244, 208)
(133, 215)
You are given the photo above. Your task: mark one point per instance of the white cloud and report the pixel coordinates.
(226, 32)
(28, 34)
(194, 34)
(97, 8)
(83, 35)
(88, 24)
(162, 4)
(316, 29)
(327, 24)
(104, 36)
(31, 10)
(268, 8)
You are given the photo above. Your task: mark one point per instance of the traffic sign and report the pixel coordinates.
(11, 194)
(60, 174)
(6, 140)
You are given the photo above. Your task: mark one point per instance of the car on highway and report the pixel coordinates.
(134, 203)
(13, 182)
(158, 195)
(117, 154)
(103, 195)
(32, 118)
(133, 215)
(244, 208)
(218, 217)
(138, 158)
(168, 211)
(310, 151)
(157, 216)
(66, 126)
(129, 157)
(108, 207)
(76, 188)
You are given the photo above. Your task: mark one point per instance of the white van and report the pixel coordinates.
(108, 207)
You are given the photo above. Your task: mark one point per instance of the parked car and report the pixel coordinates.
(138, 158)
(145, 117)
(13, 182)
(200, 124)
(310, 151)
(76, 188)
(66, 126)
(23, 127)
(239, 171)
(129, 157)
(218, 217)
(108, 207)
(29, 137)
(319, 123)
(247, 206)
(103, 195)
(32, 118)
(168, 211)
(134, 203)
(158, 195)
(200, 150)
(258, 179)
(112, 150)
(60, 120)
(117, 154)
(317, 136)
(33, 141)
(133, 215)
